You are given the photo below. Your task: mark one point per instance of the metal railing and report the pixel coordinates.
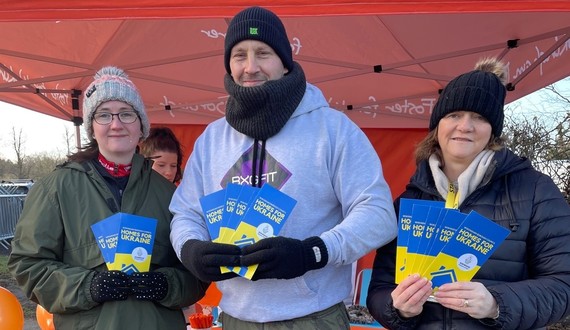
(12, 196)
(10, 210)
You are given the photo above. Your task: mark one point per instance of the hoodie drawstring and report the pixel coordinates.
(256, 173)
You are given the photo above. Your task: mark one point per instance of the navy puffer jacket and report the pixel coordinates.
(529, 274)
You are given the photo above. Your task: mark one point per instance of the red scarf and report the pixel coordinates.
(116, 170)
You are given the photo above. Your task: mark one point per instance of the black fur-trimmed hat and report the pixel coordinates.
(258, 24)
(482, 91)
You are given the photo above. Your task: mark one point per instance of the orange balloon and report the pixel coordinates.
(212, 296)
(44, 318)
(11, 313)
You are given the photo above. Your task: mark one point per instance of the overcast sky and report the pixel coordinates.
(42, 133)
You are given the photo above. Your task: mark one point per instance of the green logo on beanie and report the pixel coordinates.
(253, 31)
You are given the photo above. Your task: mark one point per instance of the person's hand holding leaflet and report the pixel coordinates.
(149, 285)
(284, 257)
(204, 259)
(109, 286)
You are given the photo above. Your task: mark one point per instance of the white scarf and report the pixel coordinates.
(467, 181)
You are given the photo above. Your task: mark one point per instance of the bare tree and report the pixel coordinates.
(542, 133)
(42, 164)
(69, 141)
(5, 169)
(18, 143)
(34, 166)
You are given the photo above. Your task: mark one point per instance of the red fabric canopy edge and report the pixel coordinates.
(120, 9)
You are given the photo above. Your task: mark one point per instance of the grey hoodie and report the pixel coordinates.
(326, 163)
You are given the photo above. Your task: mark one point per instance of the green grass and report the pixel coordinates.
(3, 267)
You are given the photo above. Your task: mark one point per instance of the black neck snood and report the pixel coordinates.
(261, 111)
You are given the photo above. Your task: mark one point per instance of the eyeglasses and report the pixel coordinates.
(105, 118)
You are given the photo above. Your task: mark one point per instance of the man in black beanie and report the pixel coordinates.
(280, 130)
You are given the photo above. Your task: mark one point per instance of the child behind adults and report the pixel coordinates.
(163, 148)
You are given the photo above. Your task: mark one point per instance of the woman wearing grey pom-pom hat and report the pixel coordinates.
(55, 256)
(525, 283)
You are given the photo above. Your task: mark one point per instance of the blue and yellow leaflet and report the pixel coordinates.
(238, 198)
(135, 241)
(213, 208)
(404, 230)
(265, 217)
(448, 223)
(468, 249)
(419, 223)
(428, 235)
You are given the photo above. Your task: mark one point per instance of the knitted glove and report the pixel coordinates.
(109, 285)
(149, 285)
(285, 258)
(203, 259)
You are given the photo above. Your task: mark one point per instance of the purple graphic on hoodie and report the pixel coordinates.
(241, 172)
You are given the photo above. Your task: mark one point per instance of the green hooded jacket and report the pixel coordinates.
(55, 255)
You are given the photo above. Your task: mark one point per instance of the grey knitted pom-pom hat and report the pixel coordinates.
(112, 84)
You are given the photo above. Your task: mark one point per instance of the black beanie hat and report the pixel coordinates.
(258, 24)
(481, 90)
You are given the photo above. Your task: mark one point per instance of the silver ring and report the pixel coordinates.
(465, 303)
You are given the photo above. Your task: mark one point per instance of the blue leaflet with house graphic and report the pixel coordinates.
(245, 194)
(134, 241)
(106, 234)
(135, 244)
(428, 234)
(232, 194)
(234, 212)
(404, 229)
(264, 218)
(448, 222)
(419, 222)
(434, 229)
(474, 241)
(213, 206)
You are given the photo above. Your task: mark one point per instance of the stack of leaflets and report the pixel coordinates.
(443, 245)
(126, 241)
(242, 215)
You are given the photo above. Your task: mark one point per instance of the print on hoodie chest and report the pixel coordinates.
(241, 172)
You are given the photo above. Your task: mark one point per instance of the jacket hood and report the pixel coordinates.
(138, 163)
(507, 162)
(312, 100)
(504, 162)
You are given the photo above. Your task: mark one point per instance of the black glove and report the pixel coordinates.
(149, 285)
(109, 285)
(203, 259)
(284, 257)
